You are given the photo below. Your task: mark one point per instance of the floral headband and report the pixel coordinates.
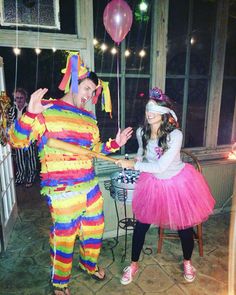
(157, 94)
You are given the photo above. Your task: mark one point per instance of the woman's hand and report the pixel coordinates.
(129, 164)
(124, 136)
(35, 106)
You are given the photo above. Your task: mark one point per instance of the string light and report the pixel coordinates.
(141, 11)
(143, 6)
(38, 51)
(16, 50)
(192, 40)
(113, 50)
(142, 53)
(95, 42)
(103, 47)
(127, 52)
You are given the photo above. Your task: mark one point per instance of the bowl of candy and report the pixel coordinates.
(123, 184)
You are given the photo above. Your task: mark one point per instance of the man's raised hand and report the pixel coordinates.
(35, 105)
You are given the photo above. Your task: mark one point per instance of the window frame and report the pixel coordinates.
(211, 150)
(55, 13)
(81, 41)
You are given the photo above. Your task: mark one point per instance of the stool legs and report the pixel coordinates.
(197, 236)
(199, 239)
(160, 240)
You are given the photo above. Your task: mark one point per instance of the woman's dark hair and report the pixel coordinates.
(91, 76)
(168, 124)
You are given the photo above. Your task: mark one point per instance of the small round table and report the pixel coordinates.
(121, 187)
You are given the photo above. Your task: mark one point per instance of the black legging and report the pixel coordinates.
(140, 230)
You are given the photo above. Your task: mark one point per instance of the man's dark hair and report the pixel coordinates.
(91, 76)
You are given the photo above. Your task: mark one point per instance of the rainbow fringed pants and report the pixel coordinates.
(75, 214)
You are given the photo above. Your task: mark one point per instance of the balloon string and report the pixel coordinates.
(118, 93)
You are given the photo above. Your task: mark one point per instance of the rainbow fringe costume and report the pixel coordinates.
(69, 182)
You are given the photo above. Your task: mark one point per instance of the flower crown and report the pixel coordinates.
(157, 94)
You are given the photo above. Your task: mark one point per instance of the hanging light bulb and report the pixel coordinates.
(127, 52)
(38, 51)
(16, 50)
(143, 6)
(192, 41)
(142, 53)
(141, 11)
(113, 50)
(95, 42)
(54, 49)
(103, 47)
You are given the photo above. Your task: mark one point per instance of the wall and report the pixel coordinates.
(220, 176)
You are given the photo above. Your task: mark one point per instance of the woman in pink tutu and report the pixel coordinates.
(169, 193)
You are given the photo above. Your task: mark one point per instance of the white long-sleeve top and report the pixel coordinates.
(162, 166)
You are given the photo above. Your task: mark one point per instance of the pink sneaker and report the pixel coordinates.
(128, 275)
(189, 271)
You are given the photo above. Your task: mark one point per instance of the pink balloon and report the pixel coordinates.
(117, 19)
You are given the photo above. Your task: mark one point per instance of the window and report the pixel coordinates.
(195, 28)
(25, 13)
(32, 71)
(128, 71)
(190, 41)
(39, 15)
(226, 133)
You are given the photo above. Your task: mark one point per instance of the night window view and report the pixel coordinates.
(127, 66)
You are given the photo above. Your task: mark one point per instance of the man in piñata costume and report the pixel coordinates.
(68, 179)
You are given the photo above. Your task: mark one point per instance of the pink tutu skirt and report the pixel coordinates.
(176, 203)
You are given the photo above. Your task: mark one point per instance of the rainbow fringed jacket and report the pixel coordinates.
(62, 171)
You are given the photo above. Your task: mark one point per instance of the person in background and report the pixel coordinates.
(68, 180)
(25, 158)
(168, 193)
